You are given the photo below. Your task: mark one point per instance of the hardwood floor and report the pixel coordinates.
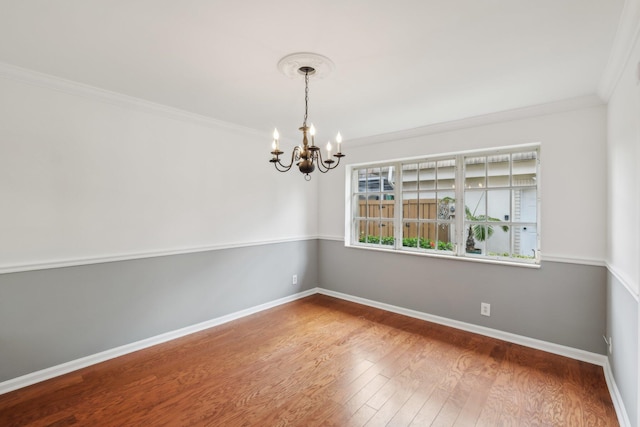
(323, 361)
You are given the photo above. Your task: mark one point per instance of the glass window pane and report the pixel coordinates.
(498, 240)
(361, 231)
(410, 177)
(387, 179)
(425, 233)
(386, 232)
(428, 232)
(367, 179)
(376, 180)
(524, 168)
(475, 172)
(446, 205)
(410, 208)
(499, 205)
(475, 205)
(359, 205)
(410, 195)
(445, 237)
(362, 180)
(387, 208)
(525, 241)
(446, 174)
(498, 170)
(373, 180)
(475, 238)
(428, 207)
(373, 206)
(373, 232)
(427, 176)
(410, 233)
(525, 205)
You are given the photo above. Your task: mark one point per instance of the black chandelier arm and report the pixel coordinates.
(327, 164)
(281, 167)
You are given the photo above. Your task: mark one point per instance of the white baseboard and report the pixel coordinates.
(74, 365)
(573, 353)
(616, 397)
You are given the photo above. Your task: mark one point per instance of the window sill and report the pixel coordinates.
(494, 261)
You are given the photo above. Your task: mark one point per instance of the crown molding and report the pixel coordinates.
(577, 103)
(47, 81)
(69, 87)
(623, 43)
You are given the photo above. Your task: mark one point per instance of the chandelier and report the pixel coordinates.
(308, 155)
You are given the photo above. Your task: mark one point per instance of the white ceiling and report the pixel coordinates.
(399, 64)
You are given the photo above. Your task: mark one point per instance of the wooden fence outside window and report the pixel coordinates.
(418, 216)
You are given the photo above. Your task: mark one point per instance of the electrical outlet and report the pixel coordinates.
(294, 279)
(485, 309)
(610, 342)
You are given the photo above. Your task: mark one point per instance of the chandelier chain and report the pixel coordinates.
(306, 97)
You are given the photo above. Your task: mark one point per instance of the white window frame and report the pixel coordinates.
(459, 251)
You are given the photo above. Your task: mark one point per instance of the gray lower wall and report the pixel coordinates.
(622, 327)
(560, 303)
(49, 317)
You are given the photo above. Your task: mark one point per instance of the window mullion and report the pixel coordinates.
(512, 235)
(460, 203)
(351, 221)
(397, 216)
(538, 210)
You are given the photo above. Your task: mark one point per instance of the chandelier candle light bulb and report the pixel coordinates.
(276, 144)
(312, 132)
(307, 156)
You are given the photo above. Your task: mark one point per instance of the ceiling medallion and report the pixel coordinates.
(290, 65)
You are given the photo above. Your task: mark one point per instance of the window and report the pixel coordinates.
(481, 205)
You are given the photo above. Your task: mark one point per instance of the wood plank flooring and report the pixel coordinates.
(322, 361)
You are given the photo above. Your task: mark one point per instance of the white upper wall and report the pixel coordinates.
(86, 174)
(623, 202)
(573, 175)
